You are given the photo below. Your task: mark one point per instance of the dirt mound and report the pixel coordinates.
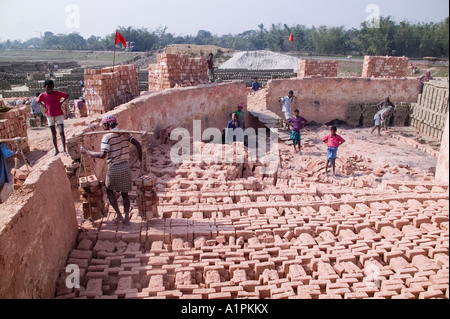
(261, 60)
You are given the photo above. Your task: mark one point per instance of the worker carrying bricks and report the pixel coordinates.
(211, 75)
(53, 101)
(118, 178)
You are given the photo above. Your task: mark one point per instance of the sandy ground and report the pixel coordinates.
(376, 152)
(261, 60)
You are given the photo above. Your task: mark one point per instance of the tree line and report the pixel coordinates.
(391, 38)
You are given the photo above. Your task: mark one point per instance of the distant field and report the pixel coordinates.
(84, 58)
(347, 67)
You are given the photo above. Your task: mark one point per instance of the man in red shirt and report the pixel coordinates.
(52, 100)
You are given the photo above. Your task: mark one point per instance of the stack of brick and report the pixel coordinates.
(429, 114)
(318, 68)
(106, 89)
(14, 124)
(176, 70)
(147, 199)
(94, 207)
(20, 176)
(388, 66)
(362, 114)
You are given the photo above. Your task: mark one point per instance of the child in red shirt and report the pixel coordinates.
(51, 100)
(333, 142)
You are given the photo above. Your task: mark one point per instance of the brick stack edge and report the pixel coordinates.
(92, 197)
(385, 66)
(106, 89)
(429, 114)
(176, 70)
(147, 199)
(14, 124)
(318, 68)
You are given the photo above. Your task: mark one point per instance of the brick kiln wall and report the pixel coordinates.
(325, 99)
(14, 124)
(442, 169)
(318, 68)
(385, 66)
(38, 228)
(106, 89)
(177, 70)
(430, 113)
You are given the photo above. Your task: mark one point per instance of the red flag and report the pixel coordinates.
(120, 39)
(291, 38)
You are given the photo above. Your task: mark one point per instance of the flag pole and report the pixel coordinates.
(114, 58)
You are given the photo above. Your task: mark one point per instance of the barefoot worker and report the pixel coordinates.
(118, 177)
(51, 100)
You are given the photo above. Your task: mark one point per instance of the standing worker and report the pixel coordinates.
(51, 100)
(211, 75)
(241, 116)
(118, 177)
(36, 110)
(286, 108)
(255, 86)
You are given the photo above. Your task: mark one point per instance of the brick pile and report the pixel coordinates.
(222, 235)
(176, 70)
(422, 147)
(362, 114)
(106, 89)
(14, 124)
(94, 207)
(318, 68)
(337, 246)
(20, 176)
(385, 66)
(430, 113)
(147, 199)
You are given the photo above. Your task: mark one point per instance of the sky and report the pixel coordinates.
(25, 19)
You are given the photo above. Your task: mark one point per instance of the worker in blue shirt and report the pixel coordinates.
(255, 85)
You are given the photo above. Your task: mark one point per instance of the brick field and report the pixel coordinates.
(377, 230)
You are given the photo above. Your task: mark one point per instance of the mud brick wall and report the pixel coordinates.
(325, 99)
(430, 113)
(362, 114)
(38, 228)
(106, 89)
(385, 66)
(176, 70)
(14, 124)
(318, 68)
